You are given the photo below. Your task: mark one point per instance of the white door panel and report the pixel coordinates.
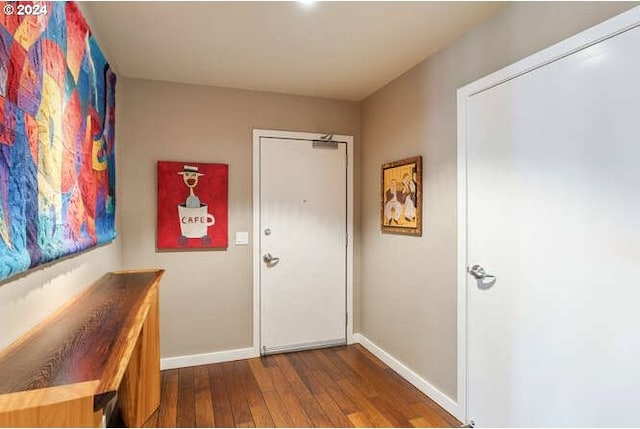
(554, 212)
(303, 207)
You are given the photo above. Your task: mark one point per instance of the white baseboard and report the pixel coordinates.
(207, 358)
(423, 385)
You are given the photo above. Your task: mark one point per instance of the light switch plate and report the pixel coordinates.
(242, 238)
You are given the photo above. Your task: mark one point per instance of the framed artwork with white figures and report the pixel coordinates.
(192, 206)
(401, 199)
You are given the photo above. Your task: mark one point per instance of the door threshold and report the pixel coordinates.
(305, 346)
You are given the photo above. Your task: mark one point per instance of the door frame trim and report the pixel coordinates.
(255, 241)
(584, 39)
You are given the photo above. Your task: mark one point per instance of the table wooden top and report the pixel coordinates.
(91, 338)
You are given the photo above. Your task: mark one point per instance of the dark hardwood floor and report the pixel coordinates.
(336, 387)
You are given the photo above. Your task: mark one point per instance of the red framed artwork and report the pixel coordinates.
(193, 206)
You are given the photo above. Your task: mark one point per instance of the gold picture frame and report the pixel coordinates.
(401, 197)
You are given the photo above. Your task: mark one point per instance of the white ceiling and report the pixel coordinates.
(343, 50)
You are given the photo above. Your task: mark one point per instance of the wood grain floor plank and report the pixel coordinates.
(369, 356)
(261, 416)
(429, 415)
(304, 395)
(322, 392)
(248, 383)
(257, 405)
(332, 356)
(233, 373)
(269, 361)
(168, 410)
(364, 405)
(277, 409)
(220, 397)
(203, 403)
(420, 422)
(275, 406)
(452, 421)
(388, 408)
(260, 373)
(337, 387)
(186, 399)
(359, 420)
(397, 387)
(333, 389)
(393, 395)
(305, 372)
(321, 368)
(433, 412)
(317, 359)
(292, 405)
(360, 383)
(333, 412)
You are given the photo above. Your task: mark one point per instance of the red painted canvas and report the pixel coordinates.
(193, 205)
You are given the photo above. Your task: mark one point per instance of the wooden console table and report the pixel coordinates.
(65, 370)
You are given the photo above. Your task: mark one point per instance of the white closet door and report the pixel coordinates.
(554, 213)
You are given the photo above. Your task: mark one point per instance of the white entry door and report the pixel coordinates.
(303, 209)
(553, 211)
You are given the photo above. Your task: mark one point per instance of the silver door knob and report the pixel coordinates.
(478, 273)
(268, 258)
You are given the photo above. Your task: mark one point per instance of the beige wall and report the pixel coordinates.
(206, 296)
(408, 285)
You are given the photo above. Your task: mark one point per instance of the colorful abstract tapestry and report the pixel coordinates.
(57, 108)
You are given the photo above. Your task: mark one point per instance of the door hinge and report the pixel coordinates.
(346, 319)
